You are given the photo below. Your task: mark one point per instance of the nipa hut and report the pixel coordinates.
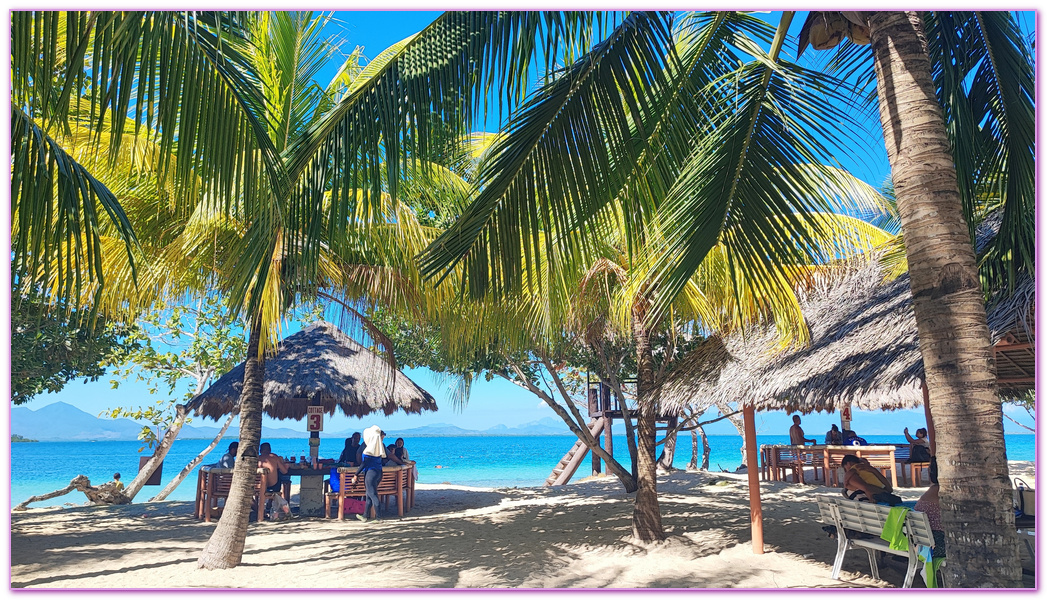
(319, 365)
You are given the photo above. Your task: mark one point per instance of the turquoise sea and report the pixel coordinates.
(42, 467)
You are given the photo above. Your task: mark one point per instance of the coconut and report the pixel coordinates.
(859, 34)
(828, 30)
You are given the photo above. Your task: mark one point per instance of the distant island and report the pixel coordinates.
(18, 438)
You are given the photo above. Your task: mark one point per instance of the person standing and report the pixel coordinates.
(796, 437)
(371, 469)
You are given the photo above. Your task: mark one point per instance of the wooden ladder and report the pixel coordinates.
(570, 462)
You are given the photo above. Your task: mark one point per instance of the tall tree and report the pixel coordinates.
(947, 294)
(684, 144)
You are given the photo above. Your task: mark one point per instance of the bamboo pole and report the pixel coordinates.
(753, 469)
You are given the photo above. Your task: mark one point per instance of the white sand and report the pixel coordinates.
(573, 536)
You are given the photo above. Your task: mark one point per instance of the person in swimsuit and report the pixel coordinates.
(864, 483)
(273, 484)
(796, 437)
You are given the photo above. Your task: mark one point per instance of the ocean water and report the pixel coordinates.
(42, 467)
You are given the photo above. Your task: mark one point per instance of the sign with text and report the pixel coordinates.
(314, 418)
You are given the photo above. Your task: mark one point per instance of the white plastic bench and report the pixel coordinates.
(851, 515)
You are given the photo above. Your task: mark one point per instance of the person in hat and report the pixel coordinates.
(371, 468)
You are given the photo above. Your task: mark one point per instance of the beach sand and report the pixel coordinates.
(573, 536)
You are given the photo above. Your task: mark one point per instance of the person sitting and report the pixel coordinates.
(228, 460)
(919, 446)
(119, 484)
(928, 504)
(351, 453)
(391, 456)
(850, 438)
(273, 483)
(834, 437)
(796, 437)
(864, 483)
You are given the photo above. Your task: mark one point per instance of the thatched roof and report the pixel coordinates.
(863, 351)
(319, 362)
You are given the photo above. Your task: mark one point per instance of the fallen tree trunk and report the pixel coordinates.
(107, 493)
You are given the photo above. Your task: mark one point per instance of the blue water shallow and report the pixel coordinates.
(42, 467)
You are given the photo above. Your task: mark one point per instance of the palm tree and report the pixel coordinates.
(302, 169)
(687, 153)
(650, 108)
(947, 294)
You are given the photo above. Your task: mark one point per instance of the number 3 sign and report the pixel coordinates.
(315, 418)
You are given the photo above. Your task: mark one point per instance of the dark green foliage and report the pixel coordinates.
(50, 349)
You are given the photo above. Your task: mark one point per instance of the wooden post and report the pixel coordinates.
(930, 421)
(755, 510)
(608, 440)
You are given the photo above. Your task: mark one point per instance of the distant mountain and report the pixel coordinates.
(62, 422)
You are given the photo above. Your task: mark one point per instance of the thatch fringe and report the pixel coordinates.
(319, 364)
(864, 351)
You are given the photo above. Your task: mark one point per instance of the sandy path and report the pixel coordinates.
(573, 536)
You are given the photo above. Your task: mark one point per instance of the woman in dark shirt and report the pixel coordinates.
(352, 448)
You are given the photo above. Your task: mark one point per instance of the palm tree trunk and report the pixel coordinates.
(950, 313)
(647, 517)
(161, 451)
(174, 483)
(226, 547)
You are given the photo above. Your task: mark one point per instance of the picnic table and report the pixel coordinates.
(776, 459)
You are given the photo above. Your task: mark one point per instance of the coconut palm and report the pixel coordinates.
(302, 170)
(985, 134)
(688, 139)
(748, 125)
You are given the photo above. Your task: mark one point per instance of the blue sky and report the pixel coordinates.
(500, 402)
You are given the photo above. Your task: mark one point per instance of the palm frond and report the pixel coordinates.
(55, 206)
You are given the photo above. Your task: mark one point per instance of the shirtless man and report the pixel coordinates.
(861, 479)
(277, 467)
(796, 437)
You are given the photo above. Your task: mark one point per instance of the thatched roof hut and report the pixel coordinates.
(864, 352)
(322, 364)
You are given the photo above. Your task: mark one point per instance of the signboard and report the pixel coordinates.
(845, 416)
(314, 418)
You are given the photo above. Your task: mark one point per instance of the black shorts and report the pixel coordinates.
(275, 487)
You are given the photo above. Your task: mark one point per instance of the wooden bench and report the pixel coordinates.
(849, 516)
(213, 484)
(397, 481)
(776, 459)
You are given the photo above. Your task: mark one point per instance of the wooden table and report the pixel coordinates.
(777, 457)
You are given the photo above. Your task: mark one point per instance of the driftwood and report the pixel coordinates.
(103, 494)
